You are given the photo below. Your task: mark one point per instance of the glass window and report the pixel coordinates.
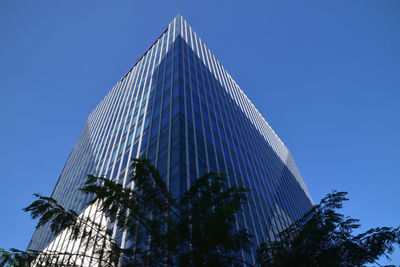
(165, 119)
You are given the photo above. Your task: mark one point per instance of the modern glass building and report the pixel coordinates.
(179, 107)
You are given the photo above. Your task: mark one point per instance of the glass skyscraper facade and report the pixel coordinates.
(178, 107)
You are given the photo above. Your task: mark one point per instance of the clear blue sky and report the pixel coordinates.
(324, 74)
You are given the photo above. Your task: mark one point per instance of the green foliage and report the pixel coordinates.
(196, 228)
(324, 237)
(49, 211)
(15, 257)
(206, 225)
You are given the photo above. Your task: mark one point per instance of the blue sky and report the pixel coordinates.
(324, 74)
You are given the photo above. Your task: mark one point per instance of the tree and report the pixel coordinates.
(324, 237)
(196, 228)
